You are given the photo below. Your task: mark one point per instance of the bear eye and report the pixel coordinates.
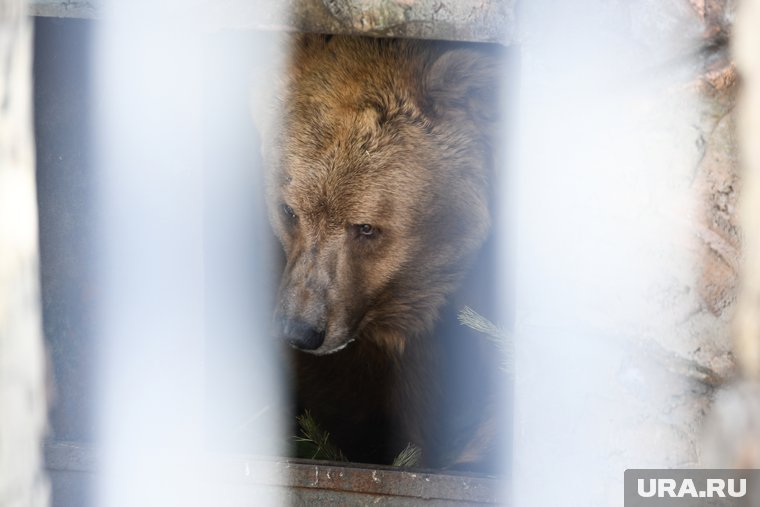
(288, 212)
(365, 230)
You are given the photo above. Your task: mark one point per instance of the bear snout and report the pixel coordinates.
(301, 335)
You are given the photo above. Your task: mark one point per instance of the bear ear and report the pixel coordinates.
(466, 80)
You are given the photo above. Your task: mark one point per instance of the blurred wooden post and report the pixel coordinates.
(22, 367)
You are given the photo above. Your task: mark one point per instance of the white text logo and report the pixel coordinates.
(662, 488)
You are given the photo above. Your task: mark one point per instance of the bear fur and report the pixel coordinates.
(378, 187)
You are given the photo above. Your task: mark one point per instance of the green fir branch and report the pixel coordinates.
(503, 340)
(410, 457)
(314, 442)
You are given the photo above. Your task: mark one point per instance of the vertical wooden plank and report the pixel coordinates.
(22, 368)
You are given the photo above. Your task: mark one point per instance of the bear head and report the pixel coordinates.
(378, 185)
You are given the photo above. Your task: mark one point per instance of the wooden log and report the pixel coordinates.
(747, 330)
(465, 20)
(733, 426)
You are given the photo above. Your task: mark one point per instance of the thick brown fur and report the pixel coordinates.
(394, 136)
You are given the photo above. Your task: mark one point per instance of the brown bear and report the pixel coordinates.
(379, 177)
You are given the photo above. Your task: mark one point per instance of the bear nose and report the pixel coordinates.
(302, 335)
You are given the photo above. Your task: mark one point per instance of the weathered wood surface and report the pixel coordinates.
(245, 480)
(22, 370)
(466, 20)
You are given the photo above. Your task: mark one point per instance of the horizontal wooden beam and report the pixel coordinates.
(464, 20)
(73, 467)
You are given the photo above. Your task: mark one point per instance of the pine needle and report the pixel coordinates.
(503, 341)
(315, 442)
(411, 456)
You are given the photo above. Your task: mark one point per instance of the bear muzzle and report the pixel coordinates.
(301, 335)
